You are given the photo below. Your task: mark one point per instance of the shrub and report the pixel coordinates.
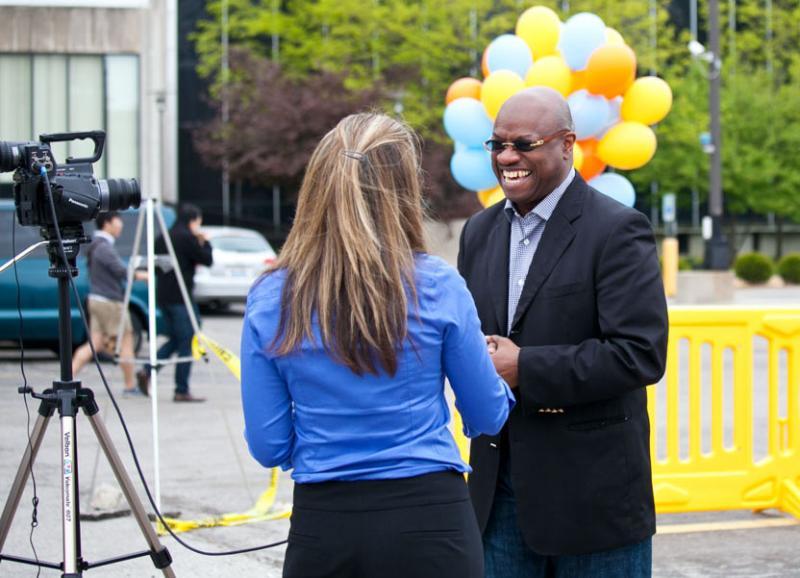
(789, 268)
(754, 267)
(687, 263)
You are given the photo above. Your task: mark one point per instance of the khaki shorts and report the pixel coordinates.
(105, 317)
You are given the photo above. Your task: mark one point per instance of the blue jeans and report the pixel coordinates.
(507, 556)
(180, 333)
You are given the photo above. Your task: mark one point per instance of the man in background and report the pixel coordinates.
(107, 273)
(191, 249)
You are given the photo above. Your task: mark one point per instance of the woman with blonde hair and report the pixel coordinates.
(345, 348)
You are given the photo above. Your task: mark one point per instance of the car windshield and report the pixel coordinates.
(240, 244)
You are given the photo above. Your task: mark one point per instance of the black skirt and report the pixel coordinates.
(416, 527)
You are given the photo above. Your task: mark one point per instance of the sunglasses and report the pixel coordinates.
(521, 145)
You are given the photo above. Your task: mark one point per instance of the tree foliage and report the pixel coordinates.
(277, 121)
(401, 55)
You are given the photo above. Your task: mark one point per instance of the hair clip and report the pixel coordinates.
(355, 155)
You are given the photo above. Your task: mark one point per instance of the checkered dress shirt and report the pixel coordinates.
(526, 232)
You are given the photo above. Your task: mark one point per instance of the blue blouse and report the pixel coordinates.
(308, 412)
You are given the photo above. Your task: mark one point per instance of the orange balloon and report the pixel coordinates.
(591, 166)
(485, 62)
(588, 146)
(578, 80)
(611, 70)
(464, 88)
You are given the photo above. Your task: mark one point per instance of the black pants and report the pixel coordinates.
(421, 527)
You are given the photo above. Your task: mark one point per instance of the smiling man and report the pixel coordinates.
(568, 289)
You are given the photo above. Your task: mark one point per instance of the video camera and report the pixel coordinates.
(78, 196)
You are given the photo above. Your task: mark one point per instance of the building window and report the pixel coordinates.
(49, 93)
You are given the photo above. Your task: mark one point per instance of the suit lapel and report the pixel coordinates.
(557, 236)
(498, 269)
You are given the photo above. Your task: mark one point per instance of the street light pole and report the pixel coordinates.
(225, 71)
(717, 250)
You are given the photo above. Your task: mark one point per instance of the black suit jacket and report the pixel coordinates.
(592, 327)
(189, 254)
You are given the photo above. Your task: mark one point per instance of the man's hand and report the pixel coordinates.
(505, 357)
(140, 276)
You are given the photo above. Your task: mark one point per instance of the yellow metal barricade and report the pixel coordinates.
(732, 385)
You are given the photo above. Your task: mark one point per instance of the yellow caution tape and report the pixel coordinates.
(261, 511)
(458, 434)
(199, 343)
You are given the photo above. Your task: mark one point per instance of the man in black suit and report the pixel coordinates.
(191, 249)
(568, 289)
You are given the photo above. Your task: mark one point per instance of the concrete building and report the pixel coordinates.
(77, 65)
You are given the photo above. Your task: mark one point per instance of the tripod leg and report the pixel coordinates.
(126, 301)
(24, 470)
(159, 554)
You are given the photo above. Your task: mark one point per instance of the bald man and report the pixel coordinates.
(568, 289)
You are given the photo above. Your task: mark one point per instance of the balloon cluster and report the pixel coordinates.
(587, 62)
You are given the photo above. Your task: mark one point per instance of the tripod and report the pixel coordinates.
(146, 223)
(67, 397)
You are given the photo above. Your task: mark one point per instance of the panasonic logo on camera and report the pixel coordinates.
(74, 202)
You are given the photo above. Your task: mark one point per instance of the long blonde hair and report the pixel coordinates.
(349, 257)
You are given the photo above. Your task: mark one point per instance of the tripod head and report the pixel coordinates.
(73, 236)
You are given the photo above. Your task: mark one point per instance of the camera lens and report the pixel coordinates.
(119, 194)
(9, 156)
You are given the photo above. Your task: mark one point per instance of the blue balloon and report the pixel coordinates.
(472, 169)
(580, 35)
(614, 115)
(590, 113)
(615, 186)
(465, 121)
(509, 52)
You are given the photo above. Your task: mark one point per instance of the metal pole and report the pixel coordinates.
(473, 32)
(768, 37)
(69, 444)
(226, 178)
(717, 253)
(276, 207)
(152, 339)
(732, 33)
(276, 39)
(653, 13)
(693, 18)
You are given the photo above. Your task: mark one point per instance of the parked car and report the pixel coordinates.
(240, 257)
(39, 292)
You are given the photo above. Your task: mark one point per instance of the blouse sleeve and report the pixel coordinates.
(482, 397)
(269, 427)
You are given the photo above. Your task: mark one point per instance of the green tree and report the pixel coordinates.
(414, 49)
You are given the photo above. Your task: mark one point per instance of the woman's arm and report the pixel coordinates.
(482, 397)
(269, 427)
